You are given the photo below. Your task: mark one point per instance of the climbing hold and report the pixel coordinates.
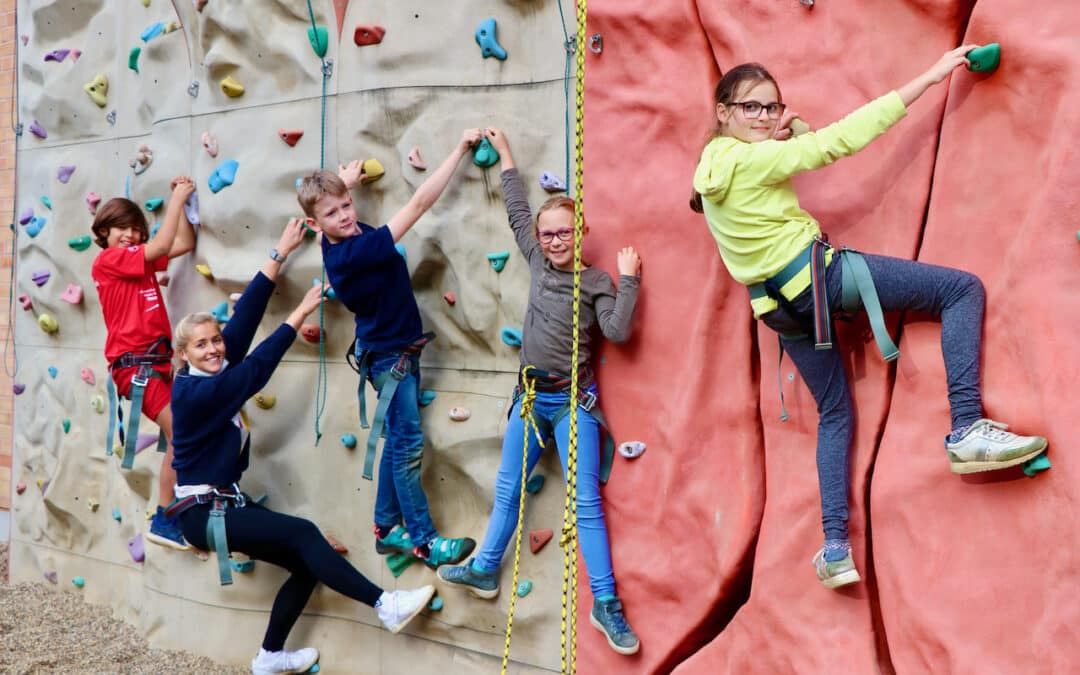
(336, 545)
(242, 565)
(43, 485)
(87, 376)
(310, 332)
(319, 40)
(26, 216)
(436, 604)
(116, 514)
(348, 440)
(459, 414)
(53, 372)
(25, 39)
(26, 302)
(209, 143)
(97, 89)
(534, 484)
(223, 176)
(204, 269)
(1036, 465)
(57, 55)
(511, 336)
(400, 248)
(631, 449)
(232, 87)
(199, 4)
(63, 174)
(398, 563)
(38, 130)
(66, 424)
(265, 401)
(75, 54)
(427, 396)
(80, 243)
(73, 294)
(523, 588)
(133, 58)
(552, 183)
(35, 226)
(154, 229)
(111, 117)
(47, 202)
(93, 504)
(20, 488)
(485, 37)
(50, 576)
(78, 582)
(145, 439)
(152, 31)
(191, 209)
(163, 279)
(415, 160)
(537, 539)
(170, 27)
(329, 293)
(39, 277)
(498, 260)
(92, 201)
(142, 160)
(18, 388)
(220, 312)
(290, 136)
(449, 298)
(145, 3)
(154, 204)
(98, 404)
(484, 154)
(368, 34)
(984, 59)
(373, 171)
(135, 548)
(48, 324)
(314, 668)
(261, 499)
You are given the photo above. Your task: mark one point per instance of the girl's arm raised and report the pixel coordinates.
(517, 203)
(952, 60)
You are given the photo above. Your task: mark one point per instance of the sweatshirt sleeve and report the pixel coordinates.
(615, 311)
(517, 209)
(248, 312)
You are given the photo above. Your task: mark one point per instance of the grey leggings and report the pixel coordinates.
(957, 297)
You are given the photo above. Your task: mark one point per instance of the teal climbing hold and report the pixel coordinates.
(523, 588)
(154, 228)
(436, 604)
(498, 260)
(984, 59)
(298, 181)
(485, 37)
(37, 223)
(242, 565)
(223, 176)
(348, 440)
(1036, 465)
(116, 514)
(319, 41)
(152, 31)
(314, 668)
(154, 204)
(47, 202)
(80, 243)
(262, 499)
(53, 372)
(534, 484)
(484, 154)
(78, 582)
(329, 293)
(133, 58)
(220, 312)
(511, 336)
(401, 251)
(66, 424)
(426, 397)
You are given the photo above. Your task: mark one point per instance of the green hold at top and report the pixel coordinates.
(133, 58)
(484, 155)
(984, 59)
(319, 41)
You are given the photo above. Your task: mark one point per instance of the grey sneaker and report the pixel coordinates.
(272, 663)
(481, 584)
(835, 574)
(397, 608)
(987, 446)
(607, 617)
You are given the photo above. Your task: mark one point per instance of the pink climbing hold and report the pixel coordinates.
(87, 376)
(20, 488)
(57, 55)
(414, 159)
(63, 174)
(92, 201)
(135, 548)
(209, 143)
(26, 302)
(368, 34)
(290, 136)
(449, 298)
(75, 54)
(199, 4)
(38, 130)
(50, 576)
(25, 39)
(73, 294)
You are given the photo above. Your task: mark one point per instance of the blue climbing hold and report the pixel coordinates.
(552, 183)
(35, 226)
(485, 37)
(401, 251)
(426, 397)
(436, 604)
(298, 181)
(78, 582)
(314, 668)
(348, 440)
(152, 31)
(221, 312)
(53, 372)
(1036, 465)
(498, 260)
(318, 39)
(223, 176)
(242, 565)
(154, 229)
(534, 484)
(154, 204)
(511, 336)
(523, 588)
(329, 293)
(191, 209)
(484, 154)
(116, 514)
(47, 202)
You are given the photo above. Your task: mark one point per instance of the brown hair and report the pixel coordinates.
(552, 204)
(118, 212)
(725, 93)
(319, 183)
(184, 329)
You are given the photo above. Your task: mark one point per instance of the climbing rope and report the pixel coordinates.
(16, 129)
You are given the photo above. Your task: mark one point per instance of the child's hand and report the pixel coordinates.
(628, 262)
(497, 139)
(181, 187)
(469, 138)
(351, 173)
(952, 59)
(783, 127)
(312, 299)
(291, 237)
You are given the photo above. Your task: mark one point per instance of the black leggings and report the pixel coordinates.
(286, 541)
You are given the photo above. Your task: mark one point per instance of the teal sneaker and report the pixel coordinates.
(607, 617)
(443, 551)
(835, 574)
(481, 584)
(397, 541)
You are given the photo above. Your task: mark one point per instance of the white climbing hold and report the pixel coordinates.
(142, 160)
(459, 414)
(632, 449)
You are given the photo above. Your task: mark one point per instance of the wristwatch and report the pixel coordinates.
(276, 257)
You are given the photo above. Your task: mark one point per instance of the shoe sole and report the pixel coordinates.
(166, 542)
(303, 669)
(625, 651)
(478, 592)
(465, 552)
(842, 579)
(405, 622)
(978, 467)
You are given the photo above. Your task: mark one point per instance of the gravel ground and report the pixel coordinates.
(45, 631)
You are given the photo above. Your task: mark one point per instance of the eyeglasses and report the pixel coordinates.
(564, 234)
(752, 109)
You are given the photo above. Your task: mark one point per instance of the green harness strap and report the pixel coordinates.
(858, 287)
(386, 384)
(215, 539)
(131, 436)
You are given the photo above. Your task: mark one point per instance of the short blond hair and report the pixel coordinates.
(319, 183)
(554, 203)
(184, 329)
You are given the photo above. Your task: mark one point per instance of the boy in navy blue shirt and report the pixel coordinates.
(372, 280)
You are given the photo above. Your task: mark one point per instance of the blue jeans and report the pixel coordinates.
(400, 494)
(592, 530)
(956, 296)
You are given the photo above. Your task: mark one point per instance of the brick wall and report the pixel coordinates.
(8, 41)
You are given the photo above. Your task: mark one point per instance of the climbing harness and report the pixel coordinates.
(220, 498)
(385, 384)
(156, 354)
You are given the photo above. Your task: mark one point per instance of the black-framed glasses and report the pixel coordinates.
(752, 109)
(564, 234)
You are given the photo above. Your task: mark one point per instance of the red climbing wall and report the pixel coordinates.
(724, 505)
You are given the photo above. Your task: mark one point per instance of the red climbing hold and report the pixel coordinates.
(449, 297)
(310, 332)
(20, 488)
(339, 9)
(290, 136)
(538, 538)
(368, 34)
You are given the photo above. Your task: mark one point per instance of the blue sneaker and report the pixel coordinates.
(443, 551)
(481, 584)
(607, 617)
(165, 531)
(396, 541)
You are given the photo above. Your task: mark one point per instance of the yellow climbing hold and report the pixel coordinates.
(170, 27)
(204, 270)
(48, 323)
(231, 87)
(98, 404)
(265, 401)
(145, 3)
(92, 504)
(97, 89)
(373, 171)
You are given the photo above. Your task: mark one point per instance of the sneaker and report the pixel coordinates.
(397, 608)
(481, 584)
(835, 574)
(165, 531)
(987, 446)
(607, 617)
(268, 663)
(397, 541)
(445, 551)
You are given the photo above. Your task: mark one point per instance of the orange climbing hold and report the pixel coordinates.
(310, 332)
(368, 34)
(537, 539)
(290, 136)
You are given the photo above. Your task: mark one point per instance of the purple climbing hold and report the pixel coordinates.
(26, 216)
(135, 548)
(57, 55)
(39, 277)
(18, 388)
(50, 576)
(63, 174)
(145, 440)
(191, 209)
(38, 130)
(551, 182)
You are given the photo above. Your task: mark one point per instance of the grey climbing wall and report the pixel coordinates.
(423, 84)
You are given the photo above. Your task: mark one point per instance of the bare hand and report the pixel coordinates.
(497, 139)
(952, 59)
(312, 299)
(783, 127)
(351, 173)
(291, 237)
(182, 187)
(628, 262)
(469, 138)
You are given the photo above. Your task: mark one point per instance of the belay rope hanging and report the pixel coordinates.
(568, 536)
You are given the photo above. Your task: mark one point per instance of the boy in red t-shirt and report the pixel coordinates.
(136, 320)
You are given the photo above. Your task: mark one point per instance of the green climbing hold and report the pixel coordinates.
(398, 563)
(318, 39)
(498, 260)
(66, 424)
(534, 484)
(1036, 465)
(133, 58)
(484, 154)
(348, 440)
(426, 397)
(242, 565)
(80, 243)
(116, 514)
(984, 59)
(523, 588)
(154, 204)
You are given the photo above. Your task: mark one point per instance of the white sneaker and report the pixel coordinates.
(987, 446)
(269, 663)
(397, 608)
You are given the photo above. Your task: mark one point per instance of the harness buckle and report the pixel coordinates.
(586, 399)
(141, 377)
(401, 368)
